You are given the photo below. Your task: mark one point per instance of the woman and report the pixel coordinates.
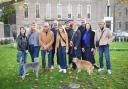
(75, 44)
(22, 46)
(62, 48)
(33, 41)
(88, 47)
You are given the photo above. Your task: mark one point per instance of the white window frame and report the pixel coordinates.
(79, 10)
(89, 11)
(69, 10)
(36, 9)
(28, 10)
(48, 10)
(59, 10)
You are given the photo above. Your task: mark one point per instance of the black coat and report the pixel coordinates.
(76, 39)
(22, 43)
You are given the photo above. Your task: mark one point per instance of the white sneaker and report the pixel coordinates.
(59, 67)
(100, 69)
(64, 71)
(52, 67)
(60, 70)
(109, 72)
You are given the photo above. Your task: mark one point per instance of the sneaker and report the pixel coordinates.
(59, 67)
(64, 71)
(95, 66)
(109, 71)
(100, 69)
(52, 67)
(60, 70)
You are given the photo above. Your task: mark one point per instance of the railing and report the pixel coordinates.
(121, 39)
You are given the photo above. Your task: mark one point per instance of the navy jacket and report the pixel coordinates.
(76, 39)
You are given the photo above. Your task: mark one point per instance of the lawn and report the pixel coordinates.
(55, 80)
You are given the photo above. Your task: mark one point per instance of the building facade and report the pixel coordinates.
(38, 11)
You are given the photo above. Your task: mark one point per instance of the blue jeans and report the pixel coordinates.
(104, 49)
(43, 54)
(21, 56)
(53, 54)
(62, 57)
(21, 70)
(34, 51)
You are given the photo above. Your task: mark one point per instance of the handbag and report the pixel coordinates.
(98, 41)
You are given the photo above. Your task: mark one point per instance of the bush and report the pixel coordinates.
(6, 41)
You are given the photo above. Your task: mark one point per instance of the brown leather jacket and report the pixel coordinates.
(46, 40)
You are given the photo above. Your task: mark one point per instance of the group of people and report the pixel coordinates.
(69, 39)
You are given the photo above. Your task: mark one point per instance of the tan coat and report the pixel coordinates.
(59, 39)
(106, 37)
(46, 40)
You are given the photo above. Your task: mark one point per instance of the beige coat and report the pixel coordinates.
(106, 37)
(59, 39)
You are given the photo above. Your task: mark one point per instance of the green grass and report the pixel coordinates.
(54, 80)
(122, 45)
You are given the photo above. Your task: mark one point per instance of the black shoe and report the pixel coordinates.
(96, 67)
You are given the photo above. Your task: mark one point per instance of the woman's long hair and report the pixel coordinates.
(21, 33)
(89, 28)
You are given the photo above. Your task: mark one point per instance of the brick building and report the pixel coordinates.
(38, 11)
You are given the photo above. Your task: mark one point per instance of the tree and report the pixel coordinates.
(124, 2)
(7, 10)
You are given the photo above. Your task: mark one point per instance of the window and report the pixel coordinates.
(126, 26)
(119, 25)
(126, 11)
(48, 10)
(69, 10)
(37, 10)
(89, 11)
(26, 10)
(59, 10)
(79, 11)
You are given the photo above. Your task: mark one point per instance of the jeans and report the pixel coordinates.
(34, 51)
(43, 54)
(21, 56)
(104, 49)
(62, 57)
(53, 54)
(21, 70)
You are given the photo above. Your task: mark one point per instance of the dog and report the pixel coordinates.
(33, 65)
(83, 65)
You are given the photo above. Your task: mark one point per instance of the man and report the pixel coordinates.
(46, 39)
(103, 37)
(75, 43)
(33, 41)
(82, 26)
(69, 30)
(54, 30)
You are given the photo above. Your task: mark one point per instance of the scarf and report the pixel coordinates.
(86, 38)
